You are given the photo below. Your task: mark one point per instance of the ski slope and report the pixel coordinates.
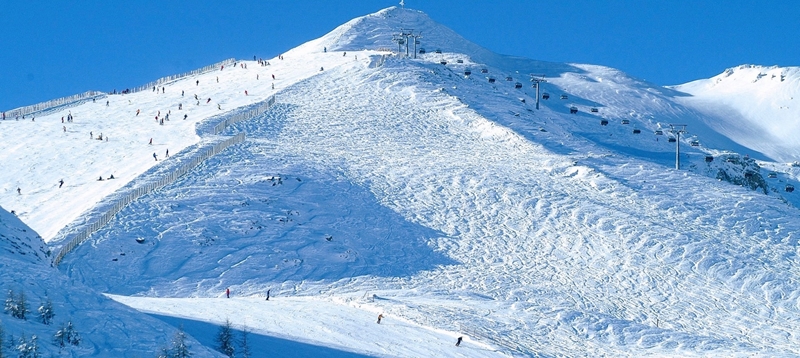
(385, 184)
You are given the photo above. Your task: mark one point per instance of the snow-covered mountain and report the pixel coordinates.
(432, 191)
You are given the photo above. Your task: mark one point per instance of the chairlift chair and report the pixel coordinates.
(438, 51)
(421, 51)
(563, 96)
(459, 61)
(695, 143)
(672, 140)
(709, 159)
(508, 78)
(573, 109)
(518, 85)
(625, 121)
(637, 131)
(484, 70)
(545, 95)
(491, 79)
(659, 132)
(443, 62)
(603, 122)
(467, 72)
(789, 188)
(594, 110)
(772, 175)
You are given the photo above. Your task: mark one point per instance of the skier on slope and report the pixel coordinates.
(380, 316)
(155, 156)
(228, 292)
(60, 183)
(458, 342)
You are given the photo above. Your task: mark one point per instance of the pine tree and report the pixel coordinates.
(46, 313)
(179, 347)
(244, 345)
(11, 304)
(225, 339)
(22, 306)
(66, 334)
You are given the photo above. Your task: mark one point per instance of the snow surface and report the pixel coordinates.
(384, 184)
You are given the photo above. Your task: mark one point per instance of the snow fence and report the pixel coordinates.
(105, 212)
(55, 104)
(165, 80)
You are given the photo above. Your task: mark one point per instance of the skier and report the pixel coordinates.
(321, 69)
(4, 117)
(217, 79)
(65, 128)
(256, 76)
(137, 112)
(197, 83)
(185, 116)
(100, 179)
(208, 100)
(273, 76)
(245, 92)
(380, 316)
(325, 49)
(273, 86)
(219, 107)
(228, 292)
(155, 156)
(19, 191)
(195, 97)
(60, 183)
(181, 93)
(344, 54)
(106, 103)
(151, 141)
(458, 342)
(91, 136)
(180, 106)
(111, 177)
(268, 295)
(167, 155)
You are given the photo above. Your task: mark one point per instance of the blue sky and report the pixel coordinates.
(52, 48)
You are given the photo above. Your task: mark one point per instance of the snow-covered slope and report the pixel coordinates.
(756, 106)
(385, 184)
(106, 328)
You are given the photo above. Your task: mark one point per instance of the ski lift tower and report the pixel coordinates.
(537, 79)
(416, 41)
(677, 129)
(406, 34)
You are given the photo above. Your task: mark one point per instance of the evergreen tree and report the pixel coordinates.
(179, 347)
(244, 345)
(67, 335)
(225, 339)
(46, 313)
(11, 303)
(22, 306)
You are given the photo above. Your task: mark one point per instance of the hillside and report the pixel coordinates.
(382, 184)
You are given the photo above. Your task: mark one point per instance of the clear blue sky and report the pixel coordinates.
(54, 48)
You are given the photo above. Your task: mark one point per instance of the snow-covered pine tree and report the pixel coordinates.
(66, 334)
(179, 347)
(28, 349)
(21, 310)
(46, 313)
(225, 339)
(244, 345)
(11, 304)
